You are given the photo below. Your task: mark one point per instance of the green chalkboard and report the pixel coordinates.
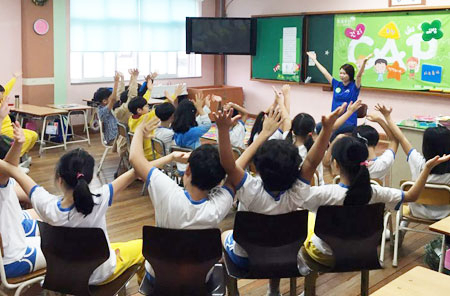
(320, 38)
(268, 61)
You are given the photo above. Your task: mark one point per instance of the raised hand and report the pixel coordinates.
(279, 96)
(116, 76)
(17, 74)
(133, 72)
(286, 89)
(148, 125)
(18, 134)
(374, 117)
(225, 119)
(353, 107)
(199, 101)
(208, 101)
(272, 121)
(431, 163)
(4, 108)
(181, 156)
(368, 57)
(383, 110)
(329, 120)
(178, 90)
(312, 55)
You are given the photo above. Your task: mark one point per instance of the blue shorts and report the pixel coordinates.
(23, 266)
(241, 262)
(29, 225)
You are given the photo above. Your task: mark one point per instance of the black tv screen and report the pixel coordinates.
(221, 35)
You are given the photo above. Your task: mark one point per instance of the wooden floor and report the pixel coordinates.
(130, 211)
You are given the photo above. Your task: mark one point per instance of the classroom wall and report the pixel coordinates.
(308, 98)
(11, 43)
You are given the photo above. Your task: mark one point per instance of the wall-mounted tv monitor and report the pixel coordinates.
(211, 35)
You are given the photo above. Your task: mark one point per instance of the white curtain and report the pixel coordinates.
(130, 25)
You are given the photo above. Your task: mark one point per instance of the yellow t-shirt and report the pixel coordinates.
(133, 124)
(7, 121)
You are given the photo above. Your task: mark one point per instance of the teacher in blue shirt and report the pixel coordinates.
(344, 91)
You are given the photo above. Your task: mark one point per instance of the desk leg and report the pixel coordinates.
(86, 127)
(42, 136)
(63, 132)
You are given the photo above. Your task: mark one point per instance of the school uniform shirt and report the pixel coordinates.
(302, 151)
(48, 207)
(334, 194)
(416, 163)
(122, 113)
(345, 94)
(379, 167)
(13, 234)
(254, 198)
(165, 134)
(110, 129)
(277, 135)
(237, 135)
(174, 207)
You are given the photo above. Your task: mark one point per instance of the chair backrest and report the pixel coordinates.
(272, 242)
(1, 246)
(362, 111)
(181, 258)
(179, 149)
(432, 194)
(123, 131)
(72, 254)
(102, 135)
(353, 233)
(159, 147)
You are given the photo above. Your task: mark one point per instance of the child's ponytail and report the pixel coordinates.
(351, 155)
(303, 125)
(76, 169)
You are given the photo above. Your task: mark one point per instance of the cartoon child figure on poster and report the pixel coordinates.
(380, 68)
(412, 63)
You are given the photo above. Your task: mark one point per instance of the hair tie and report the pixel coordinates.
(310, 134)
(364, 163)
(79, 176)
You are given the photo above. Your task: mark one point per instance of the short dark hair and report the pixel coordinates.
(101, 94)
(2, 89)
(164, 111)
(184, 117)
(368, 134)
(206, 170)
(381, 61)
(350, 70)
(436, 141)
(277, 162)
(136, 103)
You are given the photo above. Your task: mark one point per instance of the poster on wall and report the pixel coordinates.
(411, 49)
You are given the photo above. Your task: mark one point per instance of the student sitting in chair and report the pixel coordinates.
(237, 132)
(21, 244)
(164, 131)
(201, 204)
(81, 207)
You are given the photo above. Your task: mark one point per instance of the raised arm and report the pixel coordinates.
(112, 98)
(352, 108)
(315, 154)
(319, 66)
(286, 90)
(13, 155)
(16, 173)
(242, 111)
(361, 71)
(393, 143)
(132, 86)
(4, 110)
(397, 133)
(286, 121)
(272, 122)
(121, 86)
(413, 194)
(123, 181)
(224, 122)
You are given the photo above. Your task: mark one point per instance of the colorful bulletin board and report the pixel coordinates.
(278, 49)
(411, 49)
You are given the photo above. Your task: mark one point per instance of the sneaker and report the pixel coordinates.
(26, 162)
(25, 170)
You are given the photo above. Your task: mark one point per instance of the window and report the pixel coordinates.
(115, 35)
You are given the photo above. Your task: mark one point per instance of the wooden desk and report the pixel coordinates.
(419, 281)
(75, 109)
(442, 226)
(45, 114)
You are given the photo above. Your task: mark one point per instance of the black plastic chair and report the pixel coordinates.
(354, 234)
(72, 254)
(272, 243)
(181, 260)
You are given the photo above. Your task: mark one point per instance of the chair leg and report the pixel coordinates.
(231, 286)
(122, 292)
(102, 160)
(441, 261)
(397, 234)
(310, 284)
(293, 286)
(364, 283)
(383, 237)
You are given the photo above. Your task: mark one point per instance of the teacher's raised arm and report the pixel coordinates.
(319, 66)
(361, 71)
